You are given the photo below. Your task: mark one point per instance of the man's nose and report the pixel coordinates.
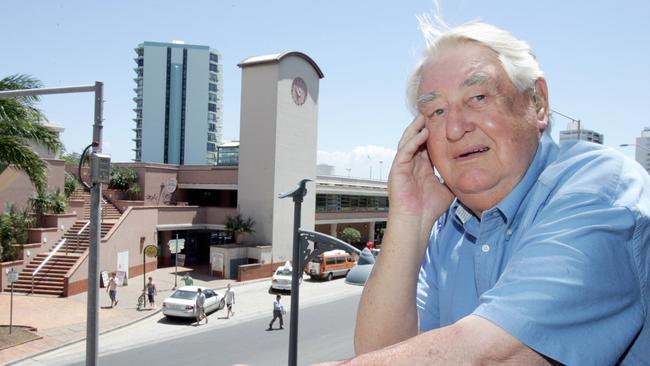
(459, 122)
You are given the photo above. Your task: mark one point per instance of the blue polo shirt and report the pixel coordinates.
(561, 263)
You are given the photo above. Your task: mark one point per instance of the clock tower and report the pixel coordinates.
(278, 141)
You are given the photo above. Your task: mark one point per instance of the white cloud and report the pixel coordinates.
(362, 161)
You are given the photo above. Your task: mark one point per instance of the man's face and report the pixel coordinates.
(483, 132)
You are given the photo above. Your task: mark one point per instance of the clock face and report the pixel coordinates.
(299, 91)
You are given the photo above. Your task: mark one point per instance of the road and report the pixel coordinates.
(327, 316)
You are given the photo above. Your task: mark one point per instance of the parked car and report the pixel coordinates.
(282, 277)
(330, 264)
(181, 302)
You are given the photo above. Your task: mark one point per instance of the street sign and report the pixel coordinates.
(172, 245)
(151, 251)
(12, 276)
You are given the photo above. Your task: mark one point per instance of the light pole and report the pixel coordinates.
(572, 119)
(380, 164)
(100, 173)
(639, 146)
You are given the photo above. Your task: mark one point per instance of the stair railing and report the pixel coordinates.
(56, 248)
(78, 235)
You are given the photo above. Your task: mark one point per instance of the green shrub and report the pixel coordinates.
(44, 202)
(350, 235)
(14, 225)
(70, 184)
(122, 178)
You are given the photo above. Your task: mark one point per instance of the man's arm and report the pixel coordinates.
(387, 312)
(470, 341)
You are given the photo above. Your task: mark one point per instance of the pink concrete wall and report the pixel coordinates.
(16, 188)
(207, 174)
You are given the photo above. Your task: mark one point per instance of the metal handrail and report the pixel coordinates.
(78, 234)
(58, 246)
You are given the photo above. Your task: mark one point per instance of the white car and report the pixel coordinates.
(181, 302)
(282, 278)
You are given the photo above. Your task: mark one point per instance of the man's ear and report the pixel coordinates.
(540, 99)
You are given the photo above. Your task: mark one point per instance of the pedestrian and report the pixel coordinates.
(506, 243)
(112, 290)
(199, 305)
(230, 301)
(278, 312)
(152, 291)
(187, 279)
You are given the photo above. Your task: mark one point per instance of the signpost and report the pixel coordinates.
(148, 251)
(12, 277)
(175, 246)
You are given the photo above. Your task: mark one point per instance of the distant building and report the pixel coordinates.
(573, 132)
(228, 153)
(642, 154)
(178, 103)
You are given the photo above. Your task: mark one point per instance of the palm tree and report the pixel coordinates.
(20, 124)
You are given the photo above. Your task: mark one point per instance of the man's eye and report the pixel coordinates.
(437, 112)
(479, 98)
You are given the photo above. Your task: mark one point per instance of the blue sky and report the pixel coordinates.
(594, 54)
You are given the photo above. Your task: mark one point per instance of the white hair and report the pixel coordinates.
(515, 55)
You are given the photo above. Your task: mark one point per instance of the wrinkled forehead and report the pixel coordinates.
(459, 64)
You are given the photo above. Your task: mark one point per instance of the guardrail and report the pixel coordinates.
(58, 246)
(78, 234)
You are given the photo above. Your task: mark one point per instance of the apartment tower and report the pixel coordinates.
(178, 103)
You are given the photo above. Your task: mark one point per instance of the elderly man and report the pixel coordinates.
(521, 251)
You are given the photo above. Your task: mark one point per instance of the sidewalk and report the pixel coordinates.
(63, 320)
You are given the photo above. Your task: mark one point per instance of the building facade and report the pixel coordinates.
(178, 103)
(642, 153)
(575, 132)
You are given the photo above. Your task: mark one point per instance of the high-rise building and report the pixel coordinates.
(178, 103)
(642, 153)
(575, 132)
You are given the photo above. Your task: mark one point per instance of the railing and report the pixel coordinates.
(78, 234)
(46, 260)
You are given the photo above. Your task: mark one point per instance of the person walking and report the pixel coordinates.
(230, 301)
(112, 290)
(200, 307)
(278, 312)
(152, 291)
(188, 279)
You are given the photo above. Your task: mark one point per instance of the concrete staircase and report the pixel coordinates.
(50, 278)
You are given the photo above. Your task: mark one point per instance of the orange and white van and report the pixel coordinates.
(330, 264)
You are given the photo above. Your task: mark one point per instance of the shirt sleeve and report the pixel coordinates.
(427, 288)
(571, 291)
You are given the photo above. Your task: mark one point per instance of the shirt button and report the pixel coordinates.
(485, 248)
(509, 232)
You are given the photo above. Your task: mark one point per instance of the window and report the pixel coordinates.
(214, 68)
(212, 116)
(214, 58)
(212, 127)
(212, 97)
(211, 137)
(213, 78)
(212, 87)
(330, 260)
(211, 147)
(212, 107)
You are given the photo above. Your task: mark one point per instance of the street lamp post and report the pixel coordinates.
(100, 173)
(572, 119)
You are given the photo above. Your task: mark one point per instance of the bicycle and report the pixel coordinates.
(142, 300)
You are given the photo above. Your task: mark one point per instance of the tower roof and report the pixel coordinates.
(275, 58)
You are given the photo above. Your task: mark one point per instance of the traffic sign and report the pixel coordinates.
(12, 276)
(151, 251)
(172, 245)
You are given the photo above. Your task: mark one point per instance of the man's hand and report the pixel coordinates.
(413, 188)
